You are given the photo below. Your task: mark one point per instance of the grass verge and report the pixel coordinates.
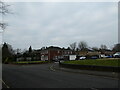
(30, 62)
(97, 62)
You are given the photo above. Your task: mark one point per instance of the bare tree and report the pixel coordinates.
(103, 47)
(3, 11)
(17, 51)
(95, 48)
(82, 45)
(73, 46)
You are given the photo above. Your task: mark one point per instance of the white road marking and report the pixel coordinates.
(51, 68)
(4, 83)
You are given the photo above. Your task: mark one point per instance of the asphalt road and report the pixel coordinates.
(43, 76)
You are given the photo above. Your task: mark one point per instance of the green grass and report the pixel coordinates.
(98, 62)
(27, 62)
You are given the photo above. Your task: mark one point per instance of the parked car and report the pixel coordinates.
(116, 55)
(103, 56)
(109, 56)
(82, 58)
(94, 57)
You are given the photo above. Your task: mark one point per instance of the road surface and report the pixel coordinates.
(43, 76)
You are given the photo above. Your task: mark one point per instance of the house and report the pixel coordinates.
(96, 54)
(68, 54)
(82, 53)
(51, 53)
(55, 53)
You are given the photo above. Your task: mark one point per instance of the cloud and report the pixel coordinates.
(44, 24)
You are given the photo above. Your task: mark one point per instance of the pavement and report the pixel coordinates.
(56, 66)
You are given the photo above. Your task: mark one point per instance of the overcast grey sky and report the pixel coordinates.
(44, 24)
